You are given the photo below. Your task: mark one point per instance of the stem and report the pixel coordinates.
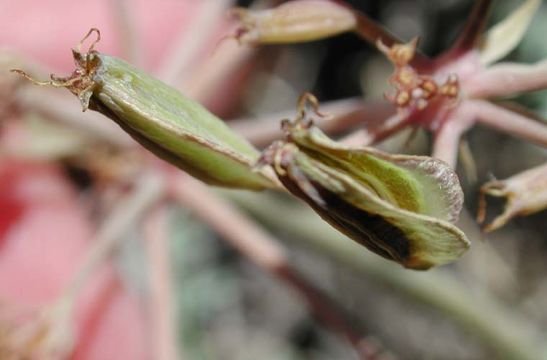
(210, 74)
(447, 143)
(189, 44)
(65, 110)
(122, 218)
(507, 79)
(510, 122)
(263, 250)
(342, 115)
(160, 284)
(470, 35)
(498, 326)
(376, 131)
(127, 29)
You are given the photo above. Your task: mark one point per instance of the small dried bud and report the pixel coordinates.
(295, 21)
(400, 207)
(526, 193)
(399, 54)
(414, 91)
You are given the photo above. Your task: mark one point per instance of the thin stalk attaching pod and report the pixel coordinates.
(400, 207)
(161, 119)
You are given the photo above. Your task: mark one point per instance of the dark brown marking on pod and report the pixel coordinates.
(371, 231)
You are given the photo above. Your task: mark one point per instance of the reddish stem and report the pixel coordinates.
(264, 251)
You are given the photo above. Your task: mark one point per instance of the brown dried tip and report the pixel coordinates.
(399, 54)
(526, 193)
(80, 82)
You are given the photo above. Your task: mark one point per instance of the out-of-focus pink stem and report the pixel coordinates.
(189, 43)
(341, 116)
(148, 188)
(509, 122)
(163, 328)
(447, 139)
(446, 144)
(470, 35)
(241, 232)
(262, 249)
(129, 40)
(215, 69)
(376, 131)
(507, 79)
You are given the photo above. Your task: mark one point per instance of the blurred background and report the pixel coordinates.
(63, 173)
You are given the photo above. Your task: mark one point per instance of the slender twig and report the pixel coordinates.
(122, 217)
(447, 143)
(127, 29)
(215, 69)
(163, 327)
(65, 110)
(509, 122)
(189, 44)
(342, 115)
(263, 250)
(376, 131)
(107, 238)
(507, 79)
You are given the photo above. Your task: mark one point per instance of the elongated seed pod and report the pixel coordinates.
(294, 21)
(172, 126)
(401, 207)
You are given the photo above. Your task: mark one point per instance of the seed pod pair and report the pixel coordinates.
(400, 207)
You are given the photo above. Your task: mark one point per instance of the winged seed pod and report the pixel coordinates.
(161, 119)
(295, 21)
(400, 207)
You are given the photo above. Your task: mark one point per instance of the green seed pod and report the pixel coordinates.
(160, 118)
(400, 207)
(294, 21)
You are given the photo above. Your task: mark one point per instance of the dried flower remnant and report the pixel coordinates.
(413, 90)
(526, 193)
(161, 119)
(295, 21)
(400, 207)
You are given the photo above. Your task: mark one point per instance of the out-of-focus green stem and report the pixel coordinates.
(500, 328)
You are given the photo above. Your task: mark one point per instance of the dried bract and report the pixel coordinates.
(526, 193)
